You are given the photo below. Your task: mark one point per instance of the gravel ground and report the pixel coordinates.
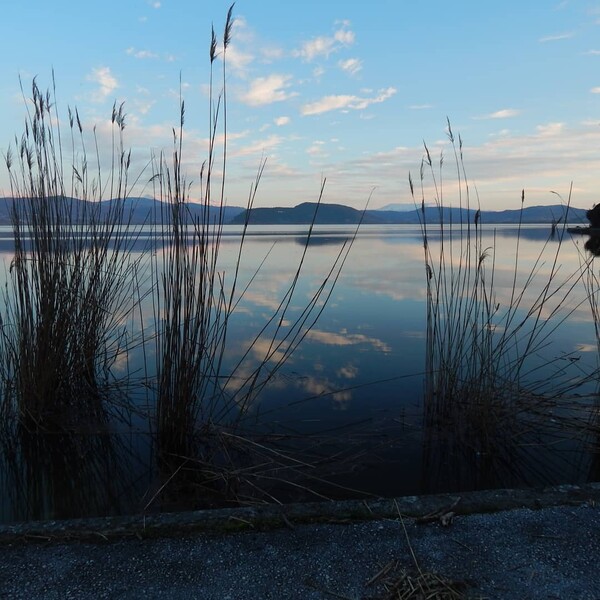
(513, 554)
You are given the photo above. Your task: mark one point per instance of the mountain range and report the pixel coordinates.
(137, 211)
(148, 210)
(332, 214)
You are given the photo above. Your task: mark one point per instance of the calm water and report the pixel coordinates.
(355, 384)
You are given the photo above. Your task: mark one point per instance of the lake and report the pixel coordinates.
(350, 408)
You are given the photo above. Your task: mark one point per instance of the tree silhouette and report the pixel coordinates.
(593, 216)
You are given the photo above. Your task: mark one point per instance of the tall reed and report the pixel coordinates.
(200, 412)
(70, 281)
(487, 385)
(76, 297)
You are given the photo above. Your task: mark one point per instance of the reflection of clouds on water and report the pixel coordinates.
(346, 339)
(265, 350)
(312, 387)
(242, 376)
(266, 297)
(415, 335)
(324, 387)
(392, 271)
(347, 372)
(586, 347)
(393, 289)
(120, 364)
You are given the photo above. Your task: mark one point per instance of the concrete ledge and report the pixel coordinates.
(277, 516)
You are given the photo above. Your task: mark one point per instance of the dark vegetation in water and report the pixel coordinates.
(490, 404)
(74, 310)
(77, 420)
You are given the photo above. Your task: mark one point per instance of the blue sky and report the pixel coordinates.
(342, 90)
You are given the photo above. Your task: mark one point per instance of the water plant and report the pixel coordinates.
(69, 284)
(491, 382)
(75, 308)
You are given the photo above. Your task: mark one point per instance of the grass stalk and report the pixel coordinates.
(486, 381)
(70, 279)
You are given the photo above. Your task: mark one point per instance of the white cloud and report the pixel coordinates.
(271, 53)
(325, 45)
(344, 36)
(501, 133)
(237, 59)
(318, 72)
(351, 66)
(595, 90)
(280, 121)
(258, 147)
(141, 53)
(316, 148)
(106, 81)
(593, 52)
(555, 38)
(240, 29)
(505, 113)
(266, 90)
(154, 4)
(550, 129)
(420, 106)
(144, 107)
(339, 102)
(321, 46)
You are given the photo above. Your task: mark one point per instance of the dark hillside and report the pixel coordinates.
(329, 214)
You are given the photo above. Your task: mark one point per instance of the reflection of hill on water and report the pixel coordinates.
(393, 235)
(322, 240)
(592, 245)
(526, 232)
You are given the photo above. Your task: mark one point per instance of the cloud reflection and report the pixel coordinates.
(347, 339)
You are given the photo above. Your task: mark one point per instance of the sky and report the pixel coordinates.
(346, 92)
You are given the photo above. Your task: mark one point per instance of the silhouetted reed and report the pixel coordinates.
(64, 475)
(491, 388)
(71, 278)
(74, 306)
(202, 437)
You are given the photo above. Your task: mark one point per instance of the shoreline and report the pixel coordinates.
(272, 517)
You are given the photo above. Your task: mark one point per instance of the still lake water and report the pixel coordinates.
(357, 378)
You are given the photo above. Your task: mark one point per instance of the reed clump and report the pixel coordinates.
(70, 281)
(204, 436)
(490, 382)
(76, 310)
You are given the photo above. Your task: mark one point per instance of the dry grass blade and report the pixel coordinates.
(422, 586)
(399, 583)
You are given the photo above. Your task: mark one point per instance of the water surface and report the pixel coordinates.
(356, 383)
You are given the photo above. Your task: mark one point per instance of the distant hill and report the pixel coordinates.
(327, 214)
(148, 210)
(330, 214)
(138, 210)
(398, 206)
